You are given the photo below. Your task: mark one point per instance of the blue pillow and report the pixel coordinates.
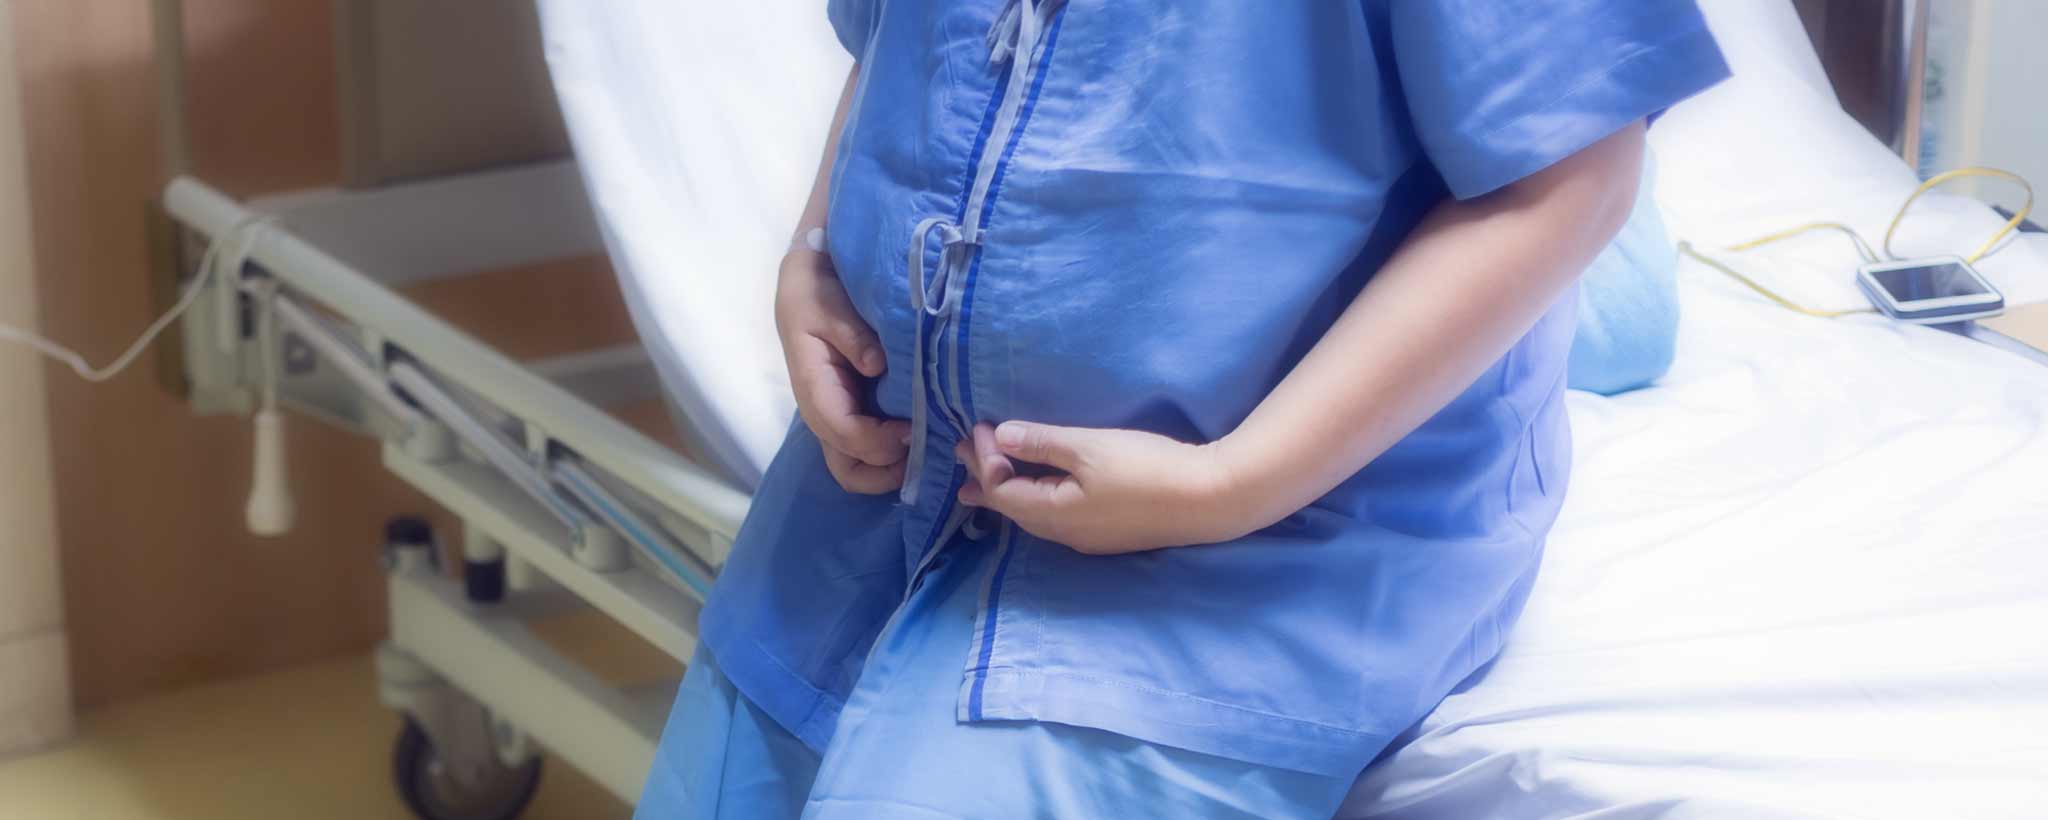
(1628, 304)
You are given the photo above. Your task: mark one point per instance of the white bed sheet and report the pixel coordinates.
(1807, 575)
(698, 127)
(1804, 576)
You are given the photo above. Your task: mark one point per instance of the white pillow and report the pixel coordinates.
(1771, 148)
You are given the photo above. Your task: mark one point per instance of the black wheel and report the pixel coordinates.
(409, 532)
(483, 582)
(433, 792)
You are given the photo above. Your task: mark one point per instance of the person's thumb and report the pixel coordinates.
(1059, 447)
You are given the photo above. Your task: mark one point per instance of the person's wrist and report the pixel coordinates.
(803, 262)
(810, 239)
(1226, 498)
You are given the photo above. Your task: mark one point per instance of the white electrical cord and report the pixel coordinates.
(244, 234)
(269, 511)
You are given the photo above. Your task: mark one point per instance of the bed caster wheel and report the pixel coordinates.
(483, 582)
(434, 790)
(409, 540)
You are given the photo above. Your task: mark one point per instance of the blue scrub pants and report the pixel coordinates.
(899, 752)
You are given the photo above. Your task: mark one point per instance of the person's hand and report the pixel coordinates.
(830, 351)
(1108, 491)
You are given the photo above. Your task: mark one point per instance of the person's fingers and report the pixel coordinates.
(874, 441)
(898, 431)
(852, 339)
(839, 325)
(868, 479)
(826, 404)
(1059, 447)
(970, 493)
(1029, 499)
(814, 303)
(809, 361)
(995, 467)
(857, 477)
(978, 454)
(834, 414)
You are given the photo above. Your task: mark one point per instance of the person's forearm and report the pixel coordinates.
(1459, 292)
(821, 186)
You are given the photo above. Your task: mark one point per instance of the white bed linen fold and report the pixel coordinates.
(1804, 575)
(698, 127)
(1771, 149)
(1807, 575)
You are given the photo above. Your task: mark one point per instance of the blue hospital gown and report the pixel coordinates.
(1141, 214)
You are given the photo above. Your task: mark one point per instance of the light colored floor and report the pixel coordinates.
(2027, 323)
(306, 743)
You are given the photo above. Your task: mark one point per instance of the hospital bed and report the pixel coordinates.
(295, 305)
(1802, 576)
(1805, 574)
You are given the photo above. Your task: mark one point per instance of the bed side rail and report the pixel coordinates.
(571, 456)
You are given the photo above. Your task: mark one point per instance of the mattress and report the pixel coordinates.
(698, 127)
(1804, 576)
(1801, 576)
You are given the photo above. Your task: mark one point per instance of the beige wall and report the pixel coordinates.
(35, 695)
(162, 586)
(1991, 65)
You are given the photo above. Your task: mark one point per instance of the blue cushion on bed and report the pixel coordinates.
(1628, 304)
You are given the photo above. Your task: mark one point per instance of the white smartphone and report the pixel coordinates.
(1932, 291)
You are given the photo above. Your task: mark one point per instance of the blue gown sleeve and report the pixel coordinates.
(854, 22)
(1498, 91)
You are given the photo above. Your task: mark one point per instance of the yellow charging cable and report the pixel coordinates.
(1687, 249)
(1862, 247)
(1960, 173)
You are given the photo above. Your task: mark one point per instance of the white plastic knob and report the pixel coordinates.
(270, 510)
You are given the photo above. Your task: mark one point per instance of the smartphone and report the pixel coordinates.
(1932, 291)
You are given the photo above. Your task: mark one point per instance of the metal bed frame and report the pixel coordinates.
(570, 503)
